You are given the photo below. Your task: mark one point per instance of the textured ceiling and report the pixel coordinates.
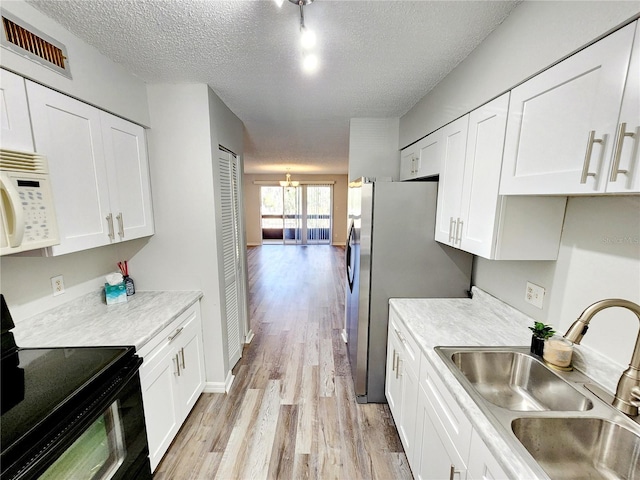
(378, 58)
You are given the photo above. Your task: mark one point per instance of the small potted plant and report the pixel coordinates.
(540, 333)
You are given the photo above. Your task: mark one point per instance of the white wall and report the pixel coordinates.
(182, 255)
(96, 79)
(534, 36)
(590, 266)
(25, 281)
(373, 148)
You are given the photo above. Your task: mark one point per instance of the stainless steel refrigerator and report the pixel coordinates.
(391, 253)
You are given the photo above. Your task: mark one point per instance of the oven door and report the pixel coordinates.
(105, 439)
(97, 453)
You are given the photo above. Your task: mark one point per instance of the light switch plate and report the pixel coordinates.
(534, 295)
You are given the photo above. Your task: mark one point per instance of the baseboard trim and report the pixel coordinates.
(219, 387)
(339, 244)
(214, 387)
(253, 244)
(249, 337)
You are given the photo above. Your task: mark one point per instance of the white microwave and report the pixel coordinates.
(28, 215)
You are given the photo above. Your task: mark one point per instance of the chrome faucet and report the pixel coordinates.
(627, 398)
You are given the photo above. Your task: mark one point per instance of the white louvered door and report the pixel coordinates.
(229, 191)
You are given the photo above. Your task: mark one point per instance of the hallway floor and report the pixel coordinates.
(291, 411)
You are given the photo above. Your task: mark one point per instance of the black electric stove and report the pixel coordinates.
(50, 396)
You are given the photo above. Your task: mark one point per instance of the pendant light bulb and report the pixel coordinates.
(310, 63)
(308, 38)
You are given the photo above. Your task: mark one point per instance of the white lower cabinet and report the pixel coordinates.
(403, 361)
(172, 379)
(438, 438)
(482, 465)
(446, 431)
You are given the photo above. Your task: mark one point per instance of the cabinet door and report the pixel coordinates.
(15, 125)
(625, 169)
(429, 155)
(128, 168)
(432, 458)
(482, 464)
(454, 144)
(479, 209)
(68, 132)
(562, 122)
(161, 402)
(191, 366)
(408, 159)
(409, 408)
(393, 385)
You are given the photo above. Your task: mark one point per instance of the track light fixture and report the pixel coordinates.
(310, 61)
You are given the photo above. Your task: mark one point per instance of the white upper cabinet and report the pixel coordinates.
(99, 171)
(562, 123)
(471, 215)
(128, 167)
(452, 155)
(422, 159)
(624, 174)
(15, 127)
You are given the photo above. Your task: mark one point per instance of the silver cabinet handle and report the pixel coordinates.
(451, 233)
(175, 334)
(176, 365)
(452, 472)
(587, 157)
(109, 219)
(393, 363)
(120, 225)
(618, 151)
(459, 224)
(182, 358)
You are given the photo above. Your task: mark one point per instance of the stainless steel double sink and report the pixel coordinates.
(559, 421)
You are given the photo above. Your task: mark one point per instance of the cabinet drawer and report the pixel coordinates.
(411, 352)
(451, 423)
(166, 336)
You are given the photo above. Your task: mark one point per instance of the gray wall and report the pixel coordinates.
(373, 148)
(534, 36)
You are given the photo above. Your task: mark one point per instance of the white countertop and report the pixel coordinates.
(89, 321)
(484, 321)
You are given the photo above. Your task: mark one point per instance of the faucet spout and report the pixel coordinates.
(626, 397)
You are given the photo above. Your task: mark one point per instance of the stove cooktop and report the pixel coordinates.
(40, 384)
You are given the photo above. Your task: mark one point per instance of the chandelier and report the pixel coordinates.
(287, 182)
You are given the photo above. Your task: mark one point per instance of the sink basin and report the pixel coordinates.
(517, 381)
(580, 447)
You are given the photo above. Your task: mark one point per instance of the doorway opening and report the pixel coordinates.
(296, 215)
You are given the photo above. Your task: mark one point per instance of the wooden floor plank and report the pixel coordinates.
(291, 411)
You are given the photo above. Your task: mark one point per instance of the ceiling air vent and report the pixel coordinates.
(25, 40)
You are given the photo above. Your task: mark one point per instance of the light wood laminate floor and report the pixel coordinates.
(291, 411)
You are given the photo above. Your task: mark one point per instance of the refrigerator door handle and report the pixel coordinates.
(347, 257)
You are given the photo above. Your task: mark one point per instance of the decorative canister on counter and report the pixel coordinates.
(128, 282)
(558, 352)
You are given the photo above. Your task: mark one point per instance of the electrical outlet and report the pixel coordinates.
(57, 285)
(534, 295)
